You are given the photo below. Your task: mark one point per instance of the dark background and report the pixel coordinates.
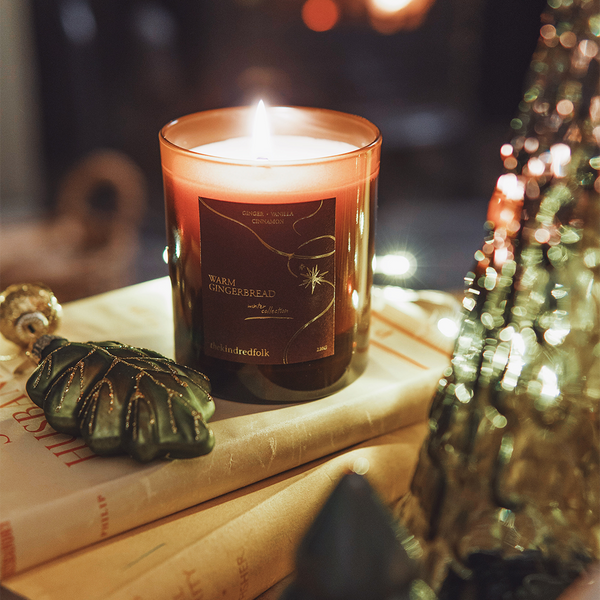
(111, 73)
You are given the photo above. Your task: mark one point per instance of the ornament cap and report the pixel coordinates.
(27, 312)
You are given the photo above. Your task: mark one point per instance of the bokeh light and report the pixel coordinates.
(531, 144)
(548, 31)
(542, 236)
(564, 108)
(536, 166)
(568, 39)
(588, 48)
(511, 186)
(390, 6)
(561, 156)
(320, 15)
(448, 327)
(401, 264)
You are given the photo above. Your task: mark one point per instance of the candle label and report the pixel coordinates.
(268, 280)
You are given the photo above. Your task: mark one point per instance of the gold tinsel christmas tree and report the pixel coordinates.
(506, 497)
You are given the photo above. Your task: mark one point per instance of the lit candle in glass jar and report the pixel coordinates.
(270, 249)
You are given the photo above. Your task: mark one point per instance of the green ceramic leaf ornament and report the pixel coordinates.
(122, 399)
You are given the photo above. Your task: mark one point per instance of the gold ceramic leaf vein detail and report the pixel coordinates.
(132, 413)
(79, 366)
(91, 402)
(149, 365)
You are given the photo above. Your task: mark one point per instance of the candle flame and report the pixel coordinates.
(261, 137)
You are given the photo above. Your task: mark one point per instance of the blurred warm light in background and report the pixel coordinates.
(390, 16)
(147, 62)
(320, 15)
(561, 156)
(390, 6)
(511, 186)
(536, 166)
(385, 16)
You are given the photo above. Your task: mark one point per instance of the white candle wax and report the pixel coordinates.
(283, 148)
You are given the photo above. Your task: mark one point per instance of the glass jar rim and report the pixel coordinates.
(373, 140)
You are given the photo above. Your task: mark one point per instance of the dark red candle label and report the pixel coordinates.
(268, 280)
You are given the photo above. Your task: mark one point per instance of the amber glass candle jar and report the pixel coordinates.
(270, 259)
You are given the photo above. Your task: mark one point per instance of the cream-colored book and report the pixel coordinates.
(236, 546)
(56, 496)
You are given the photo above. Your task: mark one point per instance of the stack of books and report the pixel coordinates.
(76, 525)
